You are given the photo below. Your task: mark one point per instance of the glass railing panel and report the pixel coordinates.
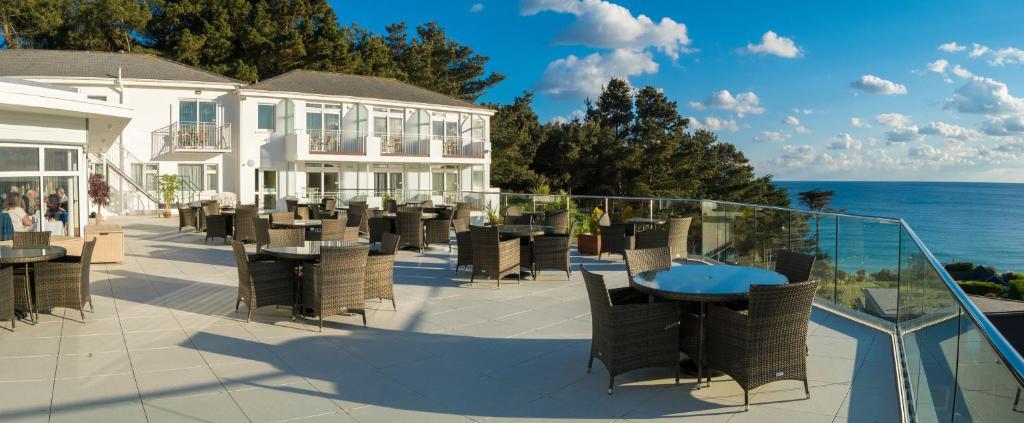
(986, 390)
(668, 210)
(929, 319)
(867, 266)
(772, 228)
(815, 234)
(728, 232)
(621, 210)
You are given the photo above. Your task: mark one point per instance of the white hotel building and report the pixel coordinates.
(301, 134)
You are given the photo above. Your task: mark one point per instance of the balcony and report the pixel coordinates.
(404, 145)
(336, 142)
(181, 137)
(460, 147)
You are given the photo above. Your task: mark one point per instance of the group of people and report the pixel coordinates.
(23, 210)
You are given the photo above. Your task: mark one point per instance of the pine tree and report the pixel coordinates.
(515, 135)
(29, 23)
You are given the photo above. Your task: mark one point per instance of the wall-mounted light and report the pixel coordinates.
(243, 98)
(199, 92)
(251, 163)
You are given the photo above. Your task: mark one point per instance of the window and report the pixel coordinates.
(212, 178)
(477, 131)
(322, 117)
(266, 117)
(19, 159)
(98, 97)
(437, 129)
(193, 112)
(147, 175)
(191, 175)
(60, 159)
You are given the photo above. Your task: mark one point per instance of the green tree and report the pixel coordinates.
(29, 23)
(515, 135)
(102, 25)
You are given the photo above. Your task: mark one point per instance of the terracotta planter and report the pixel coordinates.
(167, 214)
(589, 244)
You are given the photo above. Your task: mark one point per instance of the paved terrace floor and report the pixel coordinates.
(165, 344)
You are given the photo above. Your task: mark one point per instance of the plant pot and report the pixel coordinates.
(589, 244)
(167, 214)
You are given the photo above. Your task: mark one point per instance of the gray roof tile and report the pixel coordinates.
(94, 64)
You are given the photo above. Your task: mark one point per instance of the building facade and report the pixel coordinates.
(302, 134)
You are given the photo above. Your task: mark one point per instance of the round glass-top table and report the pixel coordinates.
(425, 216)
(703, 284)
(523, 230)
(308, 252)
(11, 255)
(299, 223)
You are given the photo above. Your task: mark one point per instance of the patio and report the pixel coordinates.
(165, 344)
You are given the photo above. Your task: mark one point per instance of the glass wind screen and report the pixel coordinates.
(60, 159)
(19, 159)
(62, 205)
(20, 196)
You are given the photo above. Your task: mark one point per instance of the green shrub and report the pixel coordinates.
(961, 266)
(1016, 289)
(981, 288)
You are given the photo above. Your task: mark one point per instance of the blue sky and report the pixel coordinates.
(797, 74)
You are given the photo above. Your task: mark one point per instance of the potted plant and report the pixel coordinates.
(588, 239)
(492, 215)
(169, 185)
(99, 192)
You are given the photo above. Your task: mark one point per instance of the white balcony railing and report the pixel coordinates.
(335, 142)
(456, 146)
(404, 144)
(192, 137)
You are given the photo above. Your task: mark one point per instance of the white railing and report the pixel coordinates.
(335, 142)
(192, 137)
(456, 146)
(392, 144)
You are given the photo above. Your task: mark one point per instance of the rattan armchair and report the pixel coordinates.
(558, 220)
(427, 203)
(652, 238)
(357, 217)
(302, 212)
(288, 237)
(245, 229)
(333, 230)
(463, 211)
(330, 204)
(378, 226)
(439, 230)
(7, 295)
(336, 285)
(795, 266)
(291, 205)
(23, 275)
(552, 252)
(66, 283)
(280, 217)
(514, 216)
(380, 271)
(263, 283)
(261, 226)
(390, 205)
(614, 239)
(763, 345)
(629, 333)
(463, 242)
(216, 225)
(678, 235)
(31, 239)
(410, 229)
(647, 259)
(492, 257)
(187, 219)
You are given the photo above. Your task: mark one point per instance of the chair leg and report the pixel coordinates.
(248, 315)
(746, 400)
(321, 329)
(807, 390)
(238, 301)
(590, 363)
(611, 382)
(82, 312)
(91, 310)
(393, 304)
(364, 318)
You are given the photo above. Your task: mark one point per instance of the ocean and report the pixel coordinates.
(982, 223)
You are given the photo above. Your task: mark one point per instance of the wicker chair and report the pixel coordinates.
(263, 283)
(492, 257)
(216, 225)
(201, 218)
(291, 205)
(464, 242)
(245, 229)
(187, 219)
(214, 207)
(330, 204)
(652, 238)
(629, 333)
(31, 239)
(378, 227)
(390, 206)
(514, 216)
(380, 271)
(410, 229)
(762, 345)
(65, 284)
(795, 266)
(614, 240)
(678, 235)
(23, 275)
(462, 211)
(558, 220)
(289, 237)
(357, 217)
(333, 230)
(410, 209)
(552, 252)
(302, 212)
(647, 259)
(7, 295)
(279, 217)
(439, 231)
(261, 227)
(336, 285)
(427, 203)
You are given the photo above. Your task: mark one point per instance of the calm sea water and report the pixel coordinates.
(977, 222)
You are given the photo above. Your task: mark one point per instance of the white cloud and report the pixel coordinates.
(791, 120)
(798, 155)
(949, 131)
(985, 96)
(952, 47)
(741, 104)
(858, 123)
(577, 114)
(476, 8)
(903, 134)
(874, 85)
(601, 24)
(771, 136)
(845, 141)
(1006, 56)
(978, 51)
(803, 111)
(1002, 127)
(775, 45)
(961, 72)
(893, 120)
(938, 66)
(714, 124)
(573, 77)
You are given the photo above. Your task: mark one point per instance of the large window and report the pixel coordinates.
(43, 185)
(191, 175)
(194, 112)
(266, 117)
(147, 175)
(322, 117)
(60, 159)
(212, 180)
(19, 159)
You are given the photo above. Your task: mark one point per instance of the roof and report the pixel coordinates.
(95, 64)
(997, 305)
(348, 85)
